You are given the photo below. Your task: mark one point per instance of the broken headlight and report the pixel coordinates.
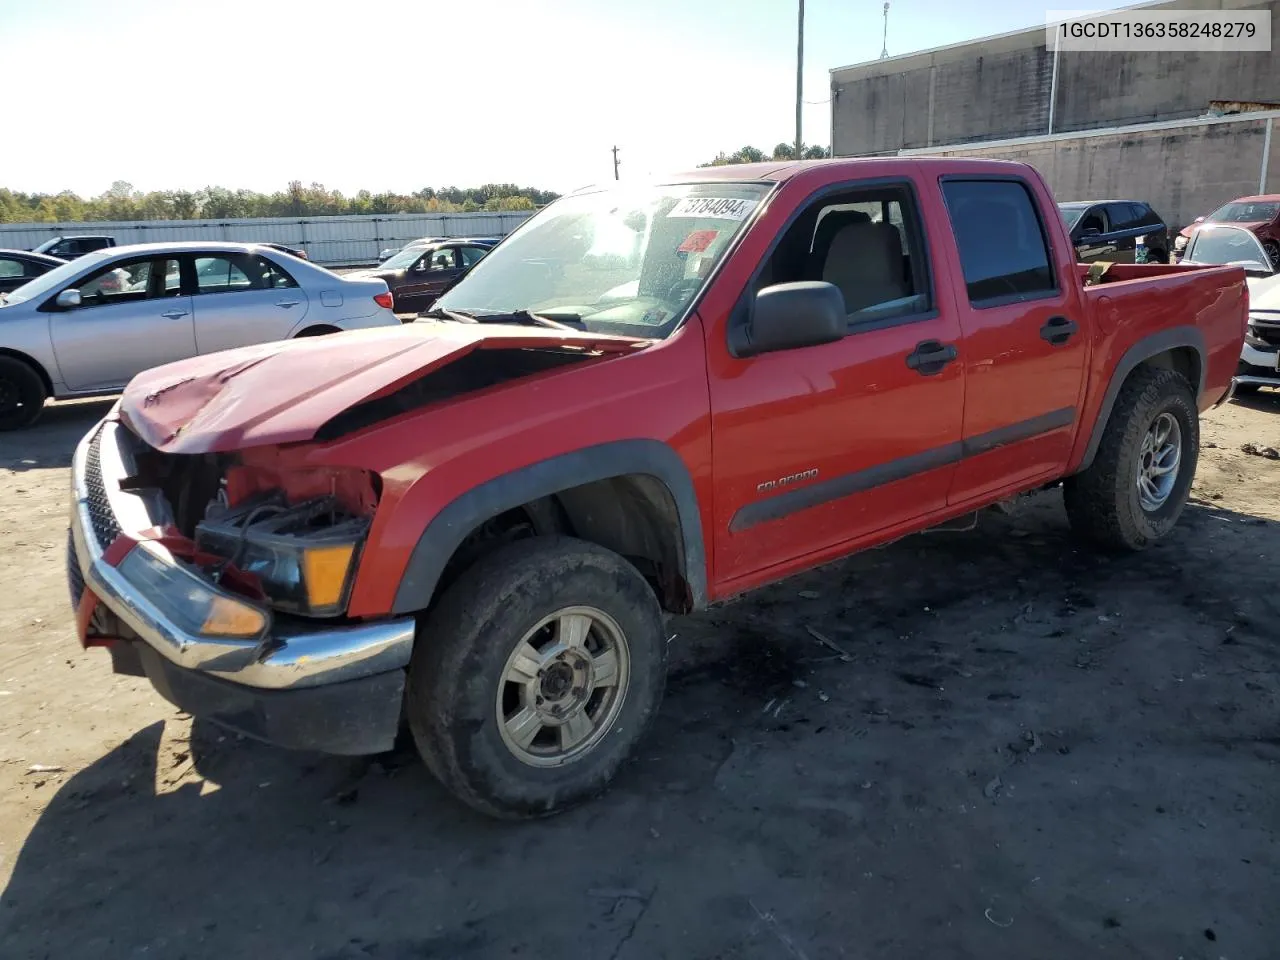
(303, 554)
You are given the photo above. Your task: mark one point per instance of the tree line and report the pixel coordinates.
(122, 202)
(783, 151)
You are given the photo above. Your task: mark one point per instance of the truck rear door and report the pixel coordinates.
(1024, 345)
(817, 446)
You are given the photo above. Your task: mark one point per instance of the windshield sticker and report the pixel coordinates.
(698, 241)
(718, 208)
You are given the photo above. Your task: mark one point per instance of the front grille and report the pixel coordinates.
(75, 579)
(105, 528)
(1267, 333)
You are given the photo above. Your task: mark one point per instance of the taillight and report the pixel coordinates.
(383, 300)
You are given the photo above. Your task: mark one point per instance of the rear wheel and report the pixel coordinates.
(22, 394)
(1135, 489)
(535, 675)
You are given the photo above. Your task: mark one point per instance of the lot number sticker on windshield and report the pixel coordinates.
(717, 208)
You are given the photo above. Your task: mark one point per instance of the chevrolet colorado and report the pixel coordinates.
(648, 399)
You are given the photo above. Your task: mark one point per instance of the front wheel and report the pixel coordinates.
(22, 394)
(1135, 489)
(535, 675)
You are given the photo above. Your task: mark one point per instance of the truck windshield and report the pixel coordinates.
(627, 260)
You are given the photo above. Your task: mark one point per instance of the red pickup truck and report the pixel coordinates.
(646, 400)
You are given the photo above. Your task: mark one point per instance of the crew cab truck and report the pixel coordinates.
(648, 399)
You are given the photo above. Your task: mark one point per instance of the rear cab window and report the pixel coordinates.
(1001, 239)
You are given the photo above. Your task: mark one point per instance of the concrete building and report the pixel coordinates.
(1144, 125)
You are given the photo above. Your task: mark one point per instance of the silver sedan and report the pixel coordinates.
(88, 326)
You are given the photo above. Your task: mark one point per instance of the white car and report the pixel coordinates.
(88, 326)
(1260, 358)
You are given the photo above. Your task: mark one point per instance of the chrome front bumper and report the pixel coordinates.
(292, 657)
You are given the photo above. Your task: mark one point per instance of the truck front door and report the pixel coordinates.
(818, 446)
(1024, 345)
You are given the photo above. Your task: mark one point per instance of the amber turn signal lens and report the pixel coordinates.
(324, 572)
(228, 618)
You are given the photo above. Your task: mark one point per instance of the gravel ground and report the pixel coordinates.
(1025, 750)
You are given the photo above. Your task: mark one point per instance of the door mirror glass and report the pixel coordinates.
(68, 299)
(787, 316)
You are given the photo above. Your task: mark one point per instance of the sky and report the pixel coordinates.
(402, 94)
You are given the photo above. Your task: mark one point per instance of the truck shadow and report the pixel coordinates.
(52, 441)
(830, 752)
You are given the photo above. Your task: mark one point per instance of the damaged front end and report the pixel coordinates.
(224, 578)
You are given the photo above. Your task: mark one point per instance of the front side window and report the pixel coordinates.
(1002, 245)
(439, 260)
(867, 243)
(625, 260)
(127, 281)
(238, 272)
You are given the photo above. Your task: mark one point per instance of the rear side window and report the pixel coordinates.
(235, 272)
(11, 268)
(1001, 239)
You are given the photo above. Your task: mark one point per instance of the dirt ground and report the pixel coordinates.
(1027, 751)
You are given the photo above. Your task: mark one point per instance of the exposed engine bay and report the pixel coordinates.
(292, 533)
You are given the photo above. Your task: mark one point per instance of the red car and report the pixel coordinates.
(644, 401)
(1259, 214)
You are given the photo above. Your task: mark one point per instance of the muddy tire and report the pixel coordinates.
(1135, 489)
(535, 675)
(22, 394)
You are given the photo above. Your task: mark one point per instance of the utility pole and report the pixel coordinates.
(615, 163)
(799, 81)
(884, 48)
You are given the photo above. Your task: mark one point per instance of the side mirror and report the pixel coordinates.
(68, 299)
(787, 316)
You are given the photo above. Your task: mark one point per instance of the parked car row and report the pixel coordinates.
(1222, 243)
(1259, 214)
(89, 325)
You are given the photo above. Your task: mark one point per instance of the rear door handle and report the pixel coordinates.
(930, 356)
(174, 314)
(1058, 330)
(287, 303)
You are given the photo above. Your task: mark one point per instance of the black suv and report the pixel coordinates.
(1109, 229)
(68, 248)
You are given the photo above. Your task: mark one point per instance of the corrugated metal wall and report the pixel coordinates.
(329, 240)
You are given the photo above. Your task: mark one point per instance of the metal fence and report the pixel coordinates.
(336, 241)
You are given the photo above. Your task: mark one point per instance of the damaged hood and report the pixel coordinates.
(284, 392)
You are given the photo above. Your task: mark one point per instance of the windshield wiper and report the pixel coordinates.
(440, 313)
(525, 317)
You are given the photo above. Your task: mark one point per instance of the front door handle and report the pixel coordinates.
(930, 356)
(287, 303)
(174, 314)
(1058, 331)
